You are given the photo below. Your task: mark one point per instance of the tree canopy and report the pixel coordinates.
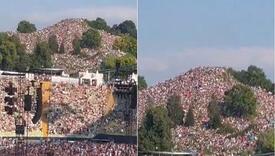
(12, 54)
(266, 142)
(142, 84)
(253, 76)
(99, 23)
(90, 39)
(240, 101)
(24, 62)
(189, 120)
(9, 55)
(42, 56)
(175, 111)
(126, 44)
(214, 114)
(125, 61)
(26, 27)
(62, 48)
(154, 133)
(126, 27)
(76, 46)
(53, 45)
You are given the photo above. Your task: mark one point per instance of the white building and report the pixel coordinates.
(94, 79)
(29, 76)
(133, 77)
(60, 79)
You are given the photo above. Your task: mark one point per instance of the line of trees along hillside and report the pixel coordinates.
(142, 84)
(14, 57)
(127, 43)
(26, 27)
(127, 27)
(253, 76)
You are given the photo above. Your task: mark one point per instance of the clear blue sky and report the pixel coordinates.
(177, 35)
(47, 12)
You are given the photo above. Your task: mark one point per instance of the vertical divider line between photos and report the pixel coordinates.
(137, 25)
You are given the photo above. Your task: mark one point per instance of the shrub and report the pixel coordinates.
(26, 27)
(90, 39)
(189, 121)
(240, 101)
(175, 111)
(53, 45)
(155, 133)
(266, 142)
(76, 46)
(214, 114)
(126, 44)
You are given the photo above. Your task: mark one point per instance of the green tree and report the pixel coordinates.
(126, 44)
(62, 48)
(142, 84)
(214, 114)
(266, 143)
(114, 30)
(240, 101)
(53, 45)
(154, 133)
(90, 39)
(127, 27)
(189, 121)
(24, 62)
(26, 27)
(126, 62)
(12, 54)
(76, 46)
(175, 111)
(42, 56)
(257, 77)
(9, 55)
(99, 23)
(254, 76)
(10, 48)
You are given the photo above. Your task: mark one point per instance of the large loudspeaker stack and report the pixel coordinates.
(134, 97)
(19, 129)
(117, 69)
(20, 125)
(27, 102)
(38, 110)
(10, 99)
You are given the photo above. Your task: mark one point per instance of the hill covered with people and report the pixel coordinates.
(207, 110)
(72, 44)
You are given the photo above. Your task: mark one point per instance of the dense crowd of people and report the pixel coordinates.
(73, 110)
(196, 88)
(7, 124)
(93, 57)
(66, 31)
(75, 107)
(56, 147)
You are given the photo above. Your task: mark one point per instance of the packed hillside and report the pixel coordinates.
(71, 44)
(204, 114)
(66, 148)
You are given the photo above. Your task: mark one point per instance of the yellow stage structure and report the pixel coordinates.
(46, 87)
(110, 102)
